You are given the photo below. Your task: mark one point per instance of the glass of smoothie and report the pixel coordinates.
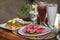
(51, 13)
(42, 11)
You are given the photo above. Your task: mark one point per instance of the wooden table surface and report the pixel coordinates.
(8, 35)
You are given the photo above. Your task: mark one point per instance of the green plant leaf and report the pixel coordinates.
(17, 14)
(23, 8)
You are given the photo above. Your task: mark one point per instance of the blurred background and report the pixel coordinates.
(8, 8)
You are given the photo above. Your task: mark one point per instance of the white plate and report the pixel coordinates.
(58, 37)
(4, 26)
(48, 30)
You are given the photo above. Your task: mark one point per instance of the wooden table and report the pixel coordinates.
(8, 35)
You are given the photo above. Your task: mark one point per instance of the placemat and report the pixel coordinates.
(50, 35)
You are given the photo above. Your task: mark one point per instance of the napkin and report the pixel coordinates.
(56, 21)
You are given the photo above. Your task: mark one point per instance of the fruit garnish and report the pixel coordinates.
(34, 29)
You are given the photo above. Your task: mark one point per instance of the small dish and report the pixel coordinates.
(20, 31)
(58, 37)
(4, 26)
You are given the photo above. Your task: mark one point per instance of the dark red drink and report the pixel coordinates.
(42, 10)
